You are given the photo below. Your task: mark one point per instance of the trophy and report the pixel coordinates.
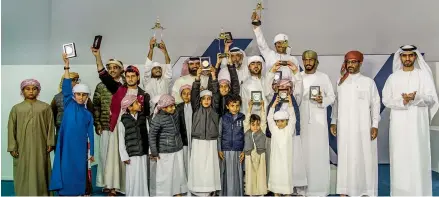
(158, 27)
(256, 96)
(97, 42)
(283, 95)
(259, 8)
(278, 76)
(314, 92)
(227, 37)
(69, 49)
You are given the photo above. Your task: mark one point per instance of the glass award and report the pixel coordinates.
(256, 96)
(97, 42)
(257, 12)
(158, 29)
(314, 92)
(70, 50)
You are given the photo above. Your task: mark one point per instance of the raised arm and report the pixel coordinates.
(162, 47)
(297, 82)
(66, 87)
(147, 74)
(270, 118)
(234, 80)
(195, 95)
(262, 44)
(105, 77)
(216, 96)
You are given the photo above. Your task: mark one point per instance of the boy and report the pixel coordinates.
(184, 111)
(31, 131)
(282, 129)
(254, 150)
(204, 173)
(69, 173)
(133, 146)
(167, 149)
(230, 147)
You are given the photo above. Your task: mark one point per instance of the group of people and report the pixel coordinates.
(208, 133)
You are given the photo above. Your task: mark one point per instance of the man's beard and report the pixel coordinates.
(253, 73)
(157, 75)
(193, 72)
(309, 69)
(132, 84)
(408, 63)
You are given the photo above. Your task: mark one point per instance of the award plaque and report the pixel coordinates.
(283, 95)
(158, 28)
(97, 42)
(205, 63)
(278, 76)
(259, 8)
(314, 92)
(69, 49)
(256, 96)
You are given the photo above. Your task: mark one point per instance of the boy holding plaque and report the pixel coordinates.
(230, 148)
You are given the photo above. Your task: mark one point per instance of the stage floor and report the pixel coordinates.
(7, 187)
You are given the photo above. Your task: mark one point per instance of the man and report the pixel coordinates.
(101, 102)
(253, 83)
(313, 118)
(114, 177)
(188, 74)
(355, 118)
(411, 95)
(282, 52)
(57, 103)
(157, 76)
(31, 133)
(239, 59)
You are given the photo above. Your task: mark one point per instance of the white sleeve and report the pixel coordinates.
(375, 105)
(425, 97)
(266, 52)
(327, 94)
(147, 73)
(298, 88)
(270, 120)
(268, 81)
(167, 71)
(334, 114)
(122, 149)
(389, 99)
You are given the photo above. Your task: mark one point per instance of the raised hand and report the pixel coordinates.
(162, 47)
(292, 66)
(65, 59)
(95, 52)
(275, 67)
(152, 42)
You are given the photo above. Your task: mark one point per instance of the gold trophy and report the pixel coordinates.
(158, 28)
(257, 12)
(226, 36)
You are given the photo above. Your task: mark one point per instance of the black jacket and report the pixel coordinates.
(181, 117)
(136, 135)
(164, 135)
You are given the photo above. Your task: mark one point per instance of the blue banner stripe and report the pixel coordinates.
(381, 78)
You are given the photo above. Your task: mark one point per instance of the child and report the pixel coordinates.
(204, 173)
(167, 149)
(254, 150)
(69, 175)
(184, 111)
(282, 128)
(230, 147)
(133, 146)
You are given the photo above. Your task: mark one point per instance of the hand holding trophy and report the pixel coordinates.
(257, 13)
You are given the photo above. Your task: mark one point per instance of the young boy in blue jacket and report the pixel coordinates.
(230, 148)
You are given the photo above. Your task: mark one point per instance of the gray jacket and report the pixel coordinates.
(164, 134)
(259, 139)
(205, 121)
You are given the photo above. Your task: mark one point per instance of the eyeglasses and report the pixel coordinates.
(77, 80)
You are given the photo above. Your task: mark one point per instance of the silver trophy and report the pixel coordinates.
(158, 29)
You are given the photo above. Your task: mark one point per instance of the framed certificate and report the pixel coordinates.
(278, 76)
(314, 91)
(205, 63)
(70, 50)
(283, 95)
(256, 96)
